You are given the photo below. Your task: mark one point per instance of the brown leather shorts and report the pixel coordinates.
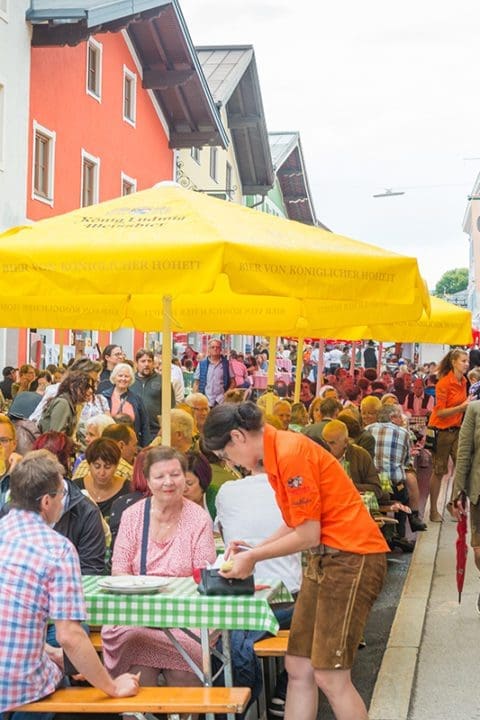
(337, 593)
(447, 444)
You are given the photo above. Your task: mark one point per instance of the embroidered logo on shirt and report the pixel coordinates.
(295, 482)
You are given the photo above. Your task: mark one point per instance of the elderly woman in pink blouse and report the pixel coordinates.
(179, 539)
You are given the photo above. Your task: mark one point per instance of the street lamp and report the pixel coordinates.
(389, 192)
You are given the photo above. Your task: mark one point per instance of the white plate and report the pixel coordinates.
(133, 584)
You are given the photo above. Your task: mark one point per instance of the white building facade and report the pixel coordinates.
(14, 108)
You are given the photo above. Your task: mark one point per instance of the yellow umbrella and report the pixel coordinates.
(169, 241)
(118, 262)
(447, 324)
(222, 310)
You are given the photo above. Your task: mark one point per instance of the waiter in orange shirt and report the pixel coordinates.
(450, 404)
(324, 514)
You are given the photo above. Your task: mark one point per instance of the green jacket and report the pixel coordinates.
(467, 467)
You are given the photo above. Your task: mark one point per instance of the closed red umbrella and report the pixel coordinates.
(461, 545)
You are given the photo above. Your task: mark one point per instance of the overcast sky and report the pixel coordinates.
(384, 95)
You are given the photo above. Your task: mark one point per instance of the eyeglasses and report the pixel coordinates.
(5, 440)
(54, 493)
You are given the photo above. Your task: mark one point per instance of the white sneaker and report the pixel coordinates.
(277, 707)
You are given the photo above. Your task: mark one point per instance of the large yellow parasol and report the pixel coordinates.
(167, 252)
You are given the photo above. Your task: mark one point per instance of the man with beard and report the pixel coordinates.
(148, 386)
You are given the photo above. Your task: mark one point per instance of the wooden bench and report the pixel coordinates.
(271, 650)
(272, 646)
(169, 700)
(96, 640)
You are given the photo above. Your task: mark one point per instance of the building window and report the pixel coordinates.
(129, 185)
(213, 163)
(94, 69)
(90, 179)
(195, 153)
(228, 178)
(43, 163)
(2, 126)
(129, 96)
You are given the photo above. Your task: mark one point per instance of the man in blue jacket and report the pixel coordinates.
(212, 375)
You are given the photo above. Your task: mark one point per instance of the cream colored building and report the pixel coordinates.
(245, 166)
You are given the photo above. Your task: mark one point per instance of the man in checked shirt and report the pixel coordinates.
(41, 581)
(392, 456)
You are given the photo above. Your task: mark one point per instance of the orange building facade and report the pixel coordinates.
(94, 133)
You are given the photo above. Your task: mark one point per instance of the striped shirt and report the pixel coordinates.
(40, 580)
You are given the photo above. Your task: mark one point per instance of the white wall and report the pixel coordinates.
(15, 79)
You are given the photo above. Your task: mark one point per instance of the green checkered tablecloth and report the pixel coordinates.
(370, 500)
(179, 605)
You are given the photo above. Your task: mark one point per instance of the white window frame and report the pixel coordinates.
(126, 178)
(3, 113)
(86, 156)
(195, 154)
(133, 77)
(214, 157)
(52, 137)
(4, 10)
(99, 48)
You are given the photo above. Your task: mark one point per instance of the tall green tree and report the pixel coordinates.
(452, 281)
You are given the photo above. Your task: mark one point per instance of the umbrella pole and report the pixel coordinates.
(320, 365)
(166, 367)
(352, 361)
(380, 358)
(298, 373)
(272, 362)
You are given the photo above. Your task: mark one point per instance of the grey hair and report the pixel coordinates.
(121, 367)
(388, 411)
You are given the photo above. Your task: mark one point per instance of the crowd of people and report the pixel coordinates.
(82, 460)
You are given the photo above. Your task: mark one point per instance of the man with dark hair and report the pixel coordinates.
(8, 380)
(148, 386)
(370, 356)
(41, 581)
(126, 440)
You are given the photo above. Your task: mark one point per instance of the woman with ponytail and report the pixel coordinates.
(446, 418)
(324, 514)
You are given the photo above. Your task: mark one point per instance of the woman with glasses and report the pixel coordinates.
(111, 356)
(324, 514)
(61, 412)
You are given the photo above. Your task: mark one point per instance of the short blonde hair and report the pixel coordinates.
(181, 421)
(388, 398)
(370, 403)
(5, 420)
(336, 427)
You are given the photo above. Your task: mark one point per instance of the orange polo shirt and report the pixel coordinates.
(449, 392)
(310, 484)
